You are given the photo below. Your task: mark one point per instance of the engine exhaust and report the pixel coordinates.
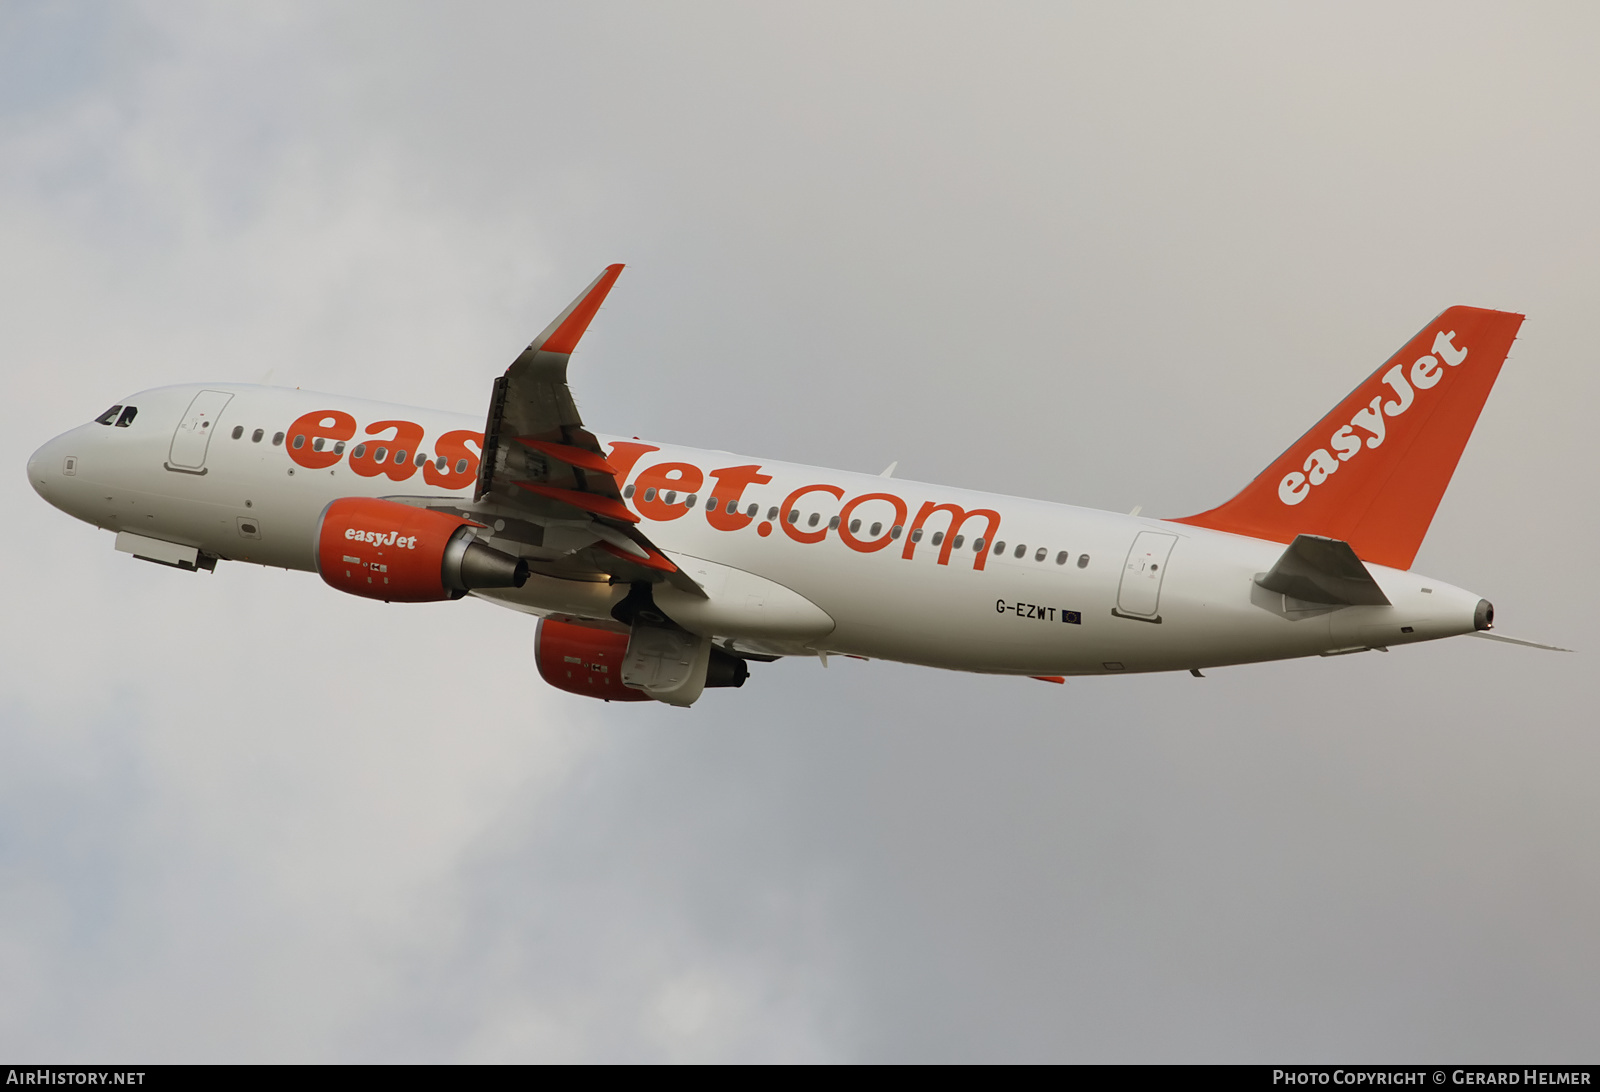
(470, 565)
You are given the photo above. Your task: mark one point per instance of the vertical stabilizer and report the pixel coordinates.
(1372, 472)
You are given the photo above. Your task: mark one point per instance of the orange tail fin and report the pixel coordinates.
(1372, 472)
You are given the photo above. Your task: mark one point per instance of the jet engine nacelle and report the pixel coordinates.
(590, 660)
(378, 549)
(583, 660)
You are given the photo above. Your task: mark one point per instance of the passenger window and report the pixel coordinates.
(833, 524)
(1061, 558)
(318, 444)
(752, 510)
(238, 431)
(108, 416)
(816, 517)
(338, 448)
(277, 439)
(381, 455)
(461, 466)
(650, 494)
(421, 459)
(999, 548)
(255, 437)
(628, 492)
(959, 539)
(671, 496)
(711, 504)
(128, 414)
(772, 513)
(441, 463)
(1083, 561)
(690, 500)
(977, 544)
(361, 449)
(400, 456)
(1020, 551)
(794, 516)
(1040, 555)
(938, 537)
(894, 532)
(855, 525)
(877, 529)
(299, 442)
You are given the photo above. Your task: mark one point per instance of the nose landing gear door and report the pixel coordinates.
(1139, 595)
(193, 436)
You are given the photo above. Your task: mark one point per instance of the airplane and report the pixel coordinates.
(658, 571)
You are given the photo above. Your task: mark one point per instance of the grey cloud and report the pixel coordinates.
(1108, 257)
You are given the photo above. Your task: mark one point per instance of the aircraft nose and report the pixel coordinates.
(35, 461)
(43, 466)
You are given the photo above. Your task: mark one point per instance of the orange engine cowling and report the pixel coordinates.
(382, 550)
(583, 660)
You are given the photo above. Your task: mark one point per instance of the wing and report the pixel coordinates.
(532, 405)
(544, 482)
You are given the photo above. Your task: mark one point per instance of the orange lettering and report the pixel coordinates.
(793, 529)
(452, 448)
(399, 452)
(729, 491)
(685, 477)
(862, 545)
(958, 517)
(333, 425)
(625, 455)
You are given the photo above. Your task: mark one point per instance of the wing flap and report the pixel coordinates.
(594, 502)
(572, 456)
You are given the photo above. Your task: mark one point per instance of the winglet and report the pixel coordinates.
(562, 335)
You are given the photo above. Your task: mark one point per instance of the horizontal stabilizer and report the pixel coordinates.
(1514, 641)
(1323, 570)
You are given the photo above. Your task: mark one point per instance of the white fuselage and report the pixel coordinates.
(1069, 591)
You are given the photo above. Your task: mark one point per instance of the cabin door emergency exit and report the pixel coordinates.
(1139, 596)
(190, 441)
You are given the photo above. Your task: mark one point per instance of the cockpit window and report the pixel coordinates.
(108, 416)
(128, 414)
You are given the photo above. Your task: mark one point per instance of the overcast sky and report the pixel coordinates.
(1107, 255)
